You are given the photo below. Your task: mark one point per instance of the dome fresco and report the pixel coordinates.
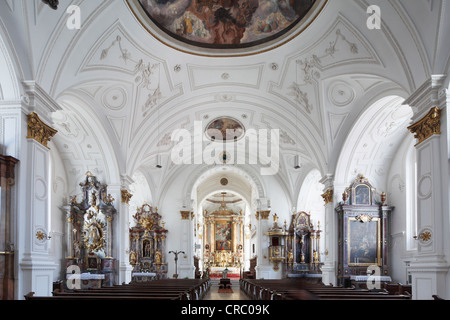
(226, 24)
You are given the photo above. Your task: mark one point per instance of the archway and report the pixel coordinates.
(225, 198)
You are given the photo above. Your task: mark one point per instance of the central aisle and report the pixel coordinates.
(213, 293)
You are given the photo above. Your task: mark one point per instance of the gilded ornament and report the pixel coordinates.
(364, 217)
(185, 215)
(40, 235)
(425, 236)
(428, 126)
(328, 196)
(126, 196)
(94, 235)
(38, 130)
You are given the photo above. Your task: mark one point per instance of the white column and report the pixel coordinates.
(36, 271)
(429, 266)
(185, 261)
(330, 232)
(264, 268)
(122, 224)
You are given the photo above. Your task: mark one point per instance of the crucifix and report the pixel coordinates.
(176, 261)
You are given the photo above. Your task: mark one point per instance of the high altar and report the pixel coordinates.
(223, 234)
(90, 233)
(148, 242)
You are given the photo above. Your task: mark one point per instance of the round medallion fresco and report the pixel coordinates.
(225, 24)
(224, 129)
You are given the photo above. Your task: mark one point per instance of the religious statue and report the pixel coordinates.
(147, 249)
(158, 257)
(315, 257)
(132, 258)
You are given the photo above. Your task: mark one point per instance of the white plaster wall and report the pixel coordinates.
(59, 197)
(399, 194)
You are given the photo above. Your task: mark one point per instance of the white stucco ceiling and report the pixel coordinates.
(123, 92)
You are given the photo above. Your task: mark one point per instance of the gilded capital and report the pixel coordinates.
(126, 196)
(328, 196)
(38, 130)
(185, 215)
(428, 126)
(263, 214)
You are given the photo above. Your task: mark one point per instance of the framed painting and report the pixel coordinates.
(363, 241)
(223, 235)
(362, 195)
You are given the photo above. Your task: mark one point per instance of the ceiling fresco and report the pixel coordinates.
(226, 24)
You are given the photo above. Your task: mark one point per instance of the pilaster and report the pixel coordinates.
(429, 266)
(36, 272)
(330, 232)
(185, 260)
(122, 227)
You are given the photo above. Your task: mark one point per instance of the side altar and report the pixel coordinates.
(363, 235)
(148, 244)
(89, 235)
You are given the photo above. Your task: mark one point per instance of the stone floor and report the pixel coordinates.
(213, 293)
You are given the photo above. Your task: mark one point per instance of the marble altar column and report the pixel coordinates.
(430, 266)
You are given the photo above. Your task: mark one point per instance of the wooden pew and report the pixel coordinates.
(168, 289)
(308, 290)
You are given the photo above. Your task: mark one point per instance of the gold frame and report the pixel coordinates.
(378, 242)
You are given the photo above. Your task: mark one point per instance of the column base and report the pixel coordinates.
(329, 273)
(37, 276)
(429, 277)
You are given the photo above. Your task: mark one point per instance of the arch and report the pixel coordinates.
(372, 141)
(84, 143)
(10, 72)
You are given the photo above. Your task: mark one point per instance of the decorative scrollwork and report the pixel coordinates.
(328, 196)
(38, 130)
(126, 196)
(428, 126)
(364, 217)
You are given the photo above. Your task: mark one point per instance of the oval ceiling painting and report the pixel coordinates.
(226, 24)
(224, 129)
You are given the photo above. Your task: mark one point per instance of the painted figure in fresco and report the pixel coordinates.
(226, 22)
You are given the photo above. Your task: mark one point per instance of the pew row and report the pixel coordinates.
(290, 289)
(162, 289)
